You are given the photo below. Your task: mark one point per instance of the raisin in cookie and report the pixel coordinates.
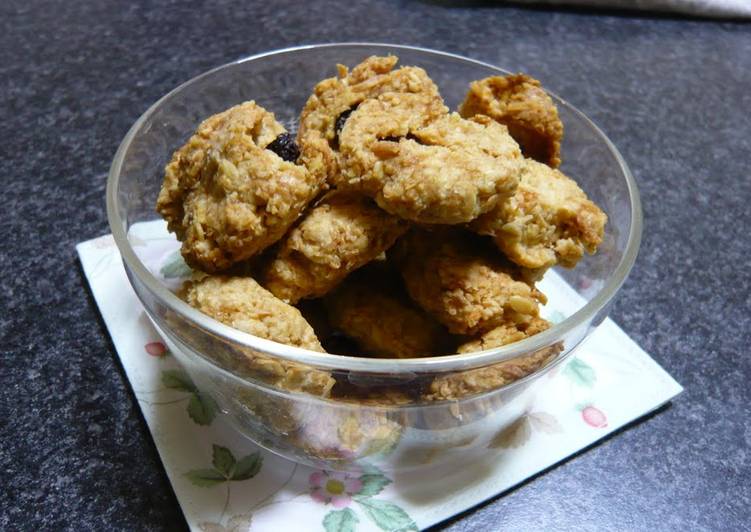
(549, 220)
(334, 99)
(519, 102)
(425, 167)
(227, 195)
(338, 235)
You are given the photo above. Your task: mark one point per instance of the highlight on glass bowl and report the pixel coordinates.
(368, 253)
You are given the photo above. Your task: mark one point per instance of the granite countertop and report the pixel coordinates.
(673, 94)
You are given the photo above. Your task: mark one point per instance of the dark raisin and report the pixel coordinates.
(409, 136)
(341, 119)
(285, 147)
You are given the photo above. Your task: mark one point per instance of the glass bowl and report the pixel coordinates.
(382, 424)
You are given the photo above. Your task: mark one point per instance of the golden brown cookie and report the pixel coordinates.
(468, 288)
(333, 99)
(341, 233)
(467, 383)
(548, 220)
(382, 323)
(519, 102)
(242, 303)
(505, 333)
(226, 196)
(426, 166)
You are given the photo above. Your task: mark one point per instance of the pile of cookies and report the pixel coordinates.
(388, 227)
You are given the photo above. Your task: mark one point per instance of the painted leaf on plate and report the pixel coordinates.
(176, 379)
(205, 478)
(513, 436)
(372, 484)
(386, 515)
(222, 460)
(580, 372)
(175, 267)
(202, 408)
(248, 467)
(343, 520)
(545, 422)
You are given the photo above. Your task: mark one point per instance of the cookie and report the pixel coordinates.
(226, 195)
(383, 324)
(548, 220)
(504, 334)
(334, 99)
(462, 284)
(340, 234)
(242, 303)
(519, 102)
(467, 383)
(426, 166)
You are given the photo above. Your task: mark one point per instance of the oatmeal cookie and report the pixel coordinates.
(548, 220)
(504, 334)
(227, 195)
(242, 303)
(443, 170)
(519, 102)
(468, 288)
(334, 99)
(345, 434)
(382, 323)
(340, 234)
(465, 383)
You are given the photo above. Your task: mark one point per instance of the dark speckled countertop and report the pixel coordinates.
(673, 94)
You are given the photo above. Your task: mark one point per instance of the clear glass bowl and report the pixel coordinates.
(346, 434)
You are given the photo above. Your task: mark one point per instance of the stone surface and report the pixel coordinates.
(671, 93)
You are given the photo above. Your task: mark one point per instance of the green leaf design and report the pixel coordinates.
(223, 460)
(175, 267)
(370, 469)
(248, 467)
(176, 379)
(372, 484)
(205, 478)
(386, 515)
(202, 408)
(340, 521)
(581, 373)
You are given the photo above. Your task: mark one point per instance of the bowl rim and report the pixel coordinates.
(435, 364)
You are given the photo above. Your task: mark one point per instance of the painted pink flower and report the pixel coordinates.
(594, 417)
(156, 349)
(334, 487)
